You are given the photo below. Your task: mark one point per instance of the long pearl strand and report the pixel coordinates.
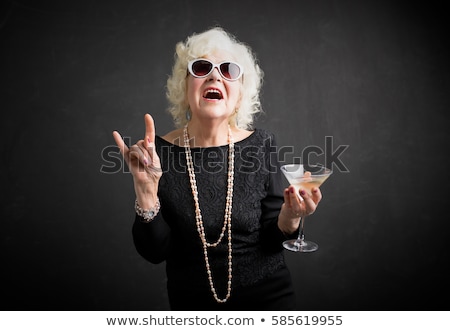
(227, 216)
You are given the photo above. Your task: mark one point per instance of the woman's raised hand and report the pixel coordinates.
(144, 164)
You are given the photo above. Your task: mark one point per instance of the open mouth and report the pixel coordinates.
(213, 94)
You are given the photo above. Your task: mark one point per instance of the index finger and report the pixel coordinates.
(149, 130)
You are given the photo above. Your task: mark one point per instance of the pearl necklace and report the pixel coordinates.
(227, 216)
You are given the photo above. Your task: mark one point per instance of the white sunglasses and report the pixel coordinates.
(201, 68)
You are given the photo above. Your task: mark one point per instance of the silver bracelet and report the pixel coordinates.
(147, 214)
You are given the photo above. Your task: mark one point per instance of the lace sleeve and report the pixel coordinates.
(151, 239)
(271, 235)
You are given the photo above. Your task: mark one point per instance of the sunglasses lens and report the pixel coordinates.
(230, 70)
(201, 68)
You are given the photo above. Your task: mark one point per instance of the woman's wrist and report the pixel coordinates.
(288, 226)
(146, 195)
(147, 201)
(148, 214)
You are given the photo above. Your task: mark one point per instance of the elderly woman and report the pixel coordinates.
(209, 195)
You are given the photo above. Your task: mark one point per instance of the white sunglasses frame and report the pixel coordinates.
(215, 65)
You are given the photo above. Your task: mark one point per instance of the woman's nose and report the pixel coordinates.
(215, 74)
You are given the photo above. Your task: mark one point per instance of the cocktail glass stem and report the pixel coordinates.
(301, 234)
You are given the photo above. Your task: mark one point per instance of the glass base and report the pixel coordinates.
(301, 246)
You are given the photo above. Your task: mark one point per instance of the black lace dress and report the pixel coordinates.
(260, 280)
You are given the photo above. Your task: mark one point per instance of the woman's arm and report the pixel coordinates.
(272, 236)
(151, 239)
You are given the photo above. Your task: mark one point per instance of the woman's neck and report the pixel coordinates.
(203, 135)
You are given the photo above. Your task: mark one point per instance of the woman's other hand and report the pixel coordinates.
(144, 164)
(296, 205)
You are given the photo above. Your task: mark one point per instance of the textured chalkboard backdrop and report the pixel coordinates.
(360, 85)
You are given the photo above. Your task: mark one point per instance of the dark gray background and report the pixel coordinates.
(373, 75)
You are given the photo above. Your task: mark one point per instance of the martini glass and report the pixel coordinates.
(303, 178)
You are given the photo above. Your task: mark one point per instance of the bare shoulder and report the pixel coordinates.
(174, 137)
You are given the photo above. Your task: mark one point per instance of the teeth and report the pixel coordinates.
(212, 91)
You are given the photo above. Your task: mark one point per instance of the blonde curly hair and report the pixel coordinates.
(200, 45)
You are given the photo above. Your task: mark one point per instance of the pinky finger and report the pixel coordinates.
(120, 143)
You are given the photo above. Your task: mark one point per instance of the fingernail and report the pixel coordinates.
(314, 190)
(302, 192)
(145, 161)
(292, 190)
(148, 140)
